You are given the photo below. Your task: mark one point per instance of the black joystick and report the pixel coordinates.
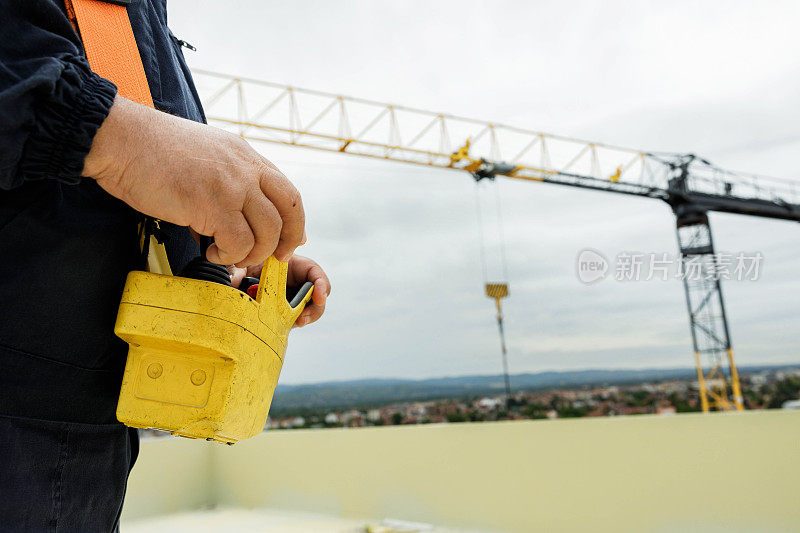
(203, 269)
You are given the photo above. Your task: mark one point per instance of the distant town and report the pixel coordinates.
(768, 389)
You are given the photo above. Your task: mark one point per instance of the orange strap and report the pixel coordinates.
(111, 47)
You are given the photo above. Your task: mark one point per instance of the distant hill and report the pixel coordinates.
(375, 392)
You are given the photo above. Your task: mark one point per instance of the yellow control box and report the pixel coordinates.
(204, 358)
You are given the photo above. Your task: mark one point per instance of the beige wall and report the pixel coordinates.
(731, 472)
(170, 475)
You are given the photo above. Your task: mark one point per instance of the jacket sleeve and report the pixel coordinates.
(51, 103)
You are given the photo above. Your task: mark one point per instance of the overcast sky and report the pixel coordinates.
(400, 243)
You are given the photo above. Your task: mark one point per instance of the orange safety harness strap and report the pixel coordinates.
(107, 35)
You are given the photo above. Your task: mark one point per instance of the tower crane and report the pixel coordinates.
(692, 187)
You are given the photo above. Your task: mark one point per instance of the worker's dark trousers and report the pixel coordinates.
(58, 476)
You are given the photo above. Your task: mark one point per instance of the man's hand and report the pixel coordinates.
(301, 269)
(199, 176)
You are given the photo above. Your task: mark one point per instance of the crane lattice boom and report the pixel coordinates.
(264, 111)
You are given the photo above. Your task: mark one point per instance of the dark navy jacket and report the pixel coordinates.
(66, 245)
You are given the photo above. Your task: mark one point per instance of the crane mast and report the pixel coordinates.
(268, 112)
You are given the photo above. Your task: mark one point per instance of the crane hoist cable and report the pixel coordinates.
(496, 290)
(501, 237)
